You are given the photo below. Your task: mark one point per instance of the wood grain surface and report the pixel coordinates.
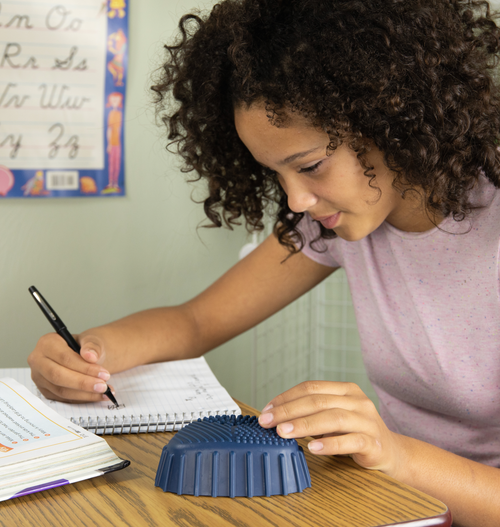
(342, 495)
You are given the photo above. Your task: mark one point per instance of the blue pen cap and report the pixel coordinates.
(231, 456)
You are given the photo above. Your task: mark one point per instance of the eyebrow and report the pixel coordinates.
(298, 155)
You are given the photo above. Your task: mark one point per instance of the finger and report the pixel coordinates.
(67, 395)
(314, 387)
(74, 373)
(80, 389)
(73, 361)
(313, 404)
(53, 348)
(75, 377)
(92, 349)
(90, 355)
(363, 448)
(335, 421)
(62, 374)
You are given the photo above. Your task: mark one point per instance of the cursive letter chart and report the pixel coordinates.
(63, 71)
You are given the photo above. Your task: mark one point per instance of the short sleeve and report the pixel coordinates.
(325, 252)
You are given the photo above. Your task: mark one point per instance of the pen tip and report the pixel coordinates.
(111, 397)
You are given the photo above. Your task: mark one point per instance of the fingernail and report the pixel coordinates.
(285, 428)
(104, 375)
(315, 446)
(265, 419)
(100, 387)
(268, 407)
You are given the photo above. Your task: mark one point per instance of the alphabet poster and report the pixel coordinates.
(63, 71)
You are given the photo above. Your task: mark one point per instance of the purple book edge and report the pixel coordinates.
(60, 482)
(43, 486)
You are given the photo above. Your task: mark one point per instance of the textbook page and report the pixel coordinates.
(29, 430)
(40, 450)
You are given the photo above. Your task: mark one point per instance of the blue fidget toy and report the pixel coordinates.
(231, 456)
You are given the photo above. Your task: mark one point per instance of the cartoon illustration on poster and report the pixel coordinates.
(113, 136)
(6, 181)
(117, 45)
(35, 185)
(62, 98)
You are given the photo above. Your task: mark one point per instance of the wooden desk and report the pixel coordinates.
(342, 495)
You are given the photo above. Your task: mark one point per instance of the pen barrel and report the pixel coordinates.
(68, 337)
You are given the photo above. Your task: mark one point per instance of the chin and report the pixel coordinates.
(350, 236)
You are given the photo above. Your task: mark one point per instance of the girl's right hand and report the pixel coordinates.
(63, 375)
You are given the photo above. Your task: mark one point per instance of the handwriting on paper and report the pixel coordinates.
(116, 406)
(199, 389)
(52, 68)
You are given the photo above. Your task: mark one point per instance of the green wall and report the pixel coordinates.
(99, 259)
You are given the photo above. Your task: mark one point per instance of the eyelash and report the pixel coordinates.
(312, 169)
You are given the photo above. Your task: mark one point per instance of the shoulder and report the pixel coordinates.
(485, 215)
(484, 195)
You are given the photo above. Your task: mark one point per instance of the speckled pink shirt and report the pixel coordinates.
(428, 313)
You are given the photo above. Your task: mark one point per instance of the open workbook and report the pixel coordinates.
(41, 450)
(152, 398)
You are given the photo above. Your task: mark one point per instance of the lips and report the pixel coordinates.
(329, 222)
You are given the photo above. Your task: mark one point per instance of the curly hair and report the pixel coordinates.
(415, 77)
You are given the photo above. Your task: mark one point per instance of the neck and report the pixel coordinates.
(412, 214)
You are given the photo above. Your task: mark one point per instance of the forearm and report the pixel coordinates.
(254, 289)
(471, 490)
(154, 335)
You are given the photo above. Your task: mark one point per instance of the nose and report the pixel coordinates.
(299, 197)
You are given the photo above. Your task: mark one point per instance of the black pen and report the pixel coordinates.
(61, 329)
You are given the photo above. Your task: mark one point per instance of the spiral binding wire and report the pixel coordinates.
(153, 423)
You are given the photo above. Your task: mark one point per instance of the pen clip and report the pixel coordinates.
(51, 315)
(46, 308)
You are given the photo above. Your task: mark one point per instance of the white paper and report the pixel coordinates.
(161, 396)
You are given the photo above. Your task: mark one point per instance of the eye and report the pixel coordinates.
(312, 169)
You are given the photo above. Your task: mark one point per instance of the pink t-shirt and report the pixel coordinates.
(428, 313)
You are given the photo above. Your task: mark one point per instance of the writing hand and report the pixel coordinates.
(63, 375)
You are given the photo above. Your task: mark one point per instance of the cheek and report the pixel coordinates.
(339, 187)
(350, 193)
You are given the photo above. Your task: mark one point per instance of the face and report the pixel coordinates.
(114, 101)
(332, 188)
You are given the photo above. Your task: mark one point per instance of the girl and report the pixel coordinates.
(372, 125)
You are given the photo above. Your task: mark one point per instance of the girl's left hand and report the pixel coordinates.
(342, 415)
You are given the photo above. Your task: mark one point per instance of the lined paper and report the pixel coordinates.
(154, 397)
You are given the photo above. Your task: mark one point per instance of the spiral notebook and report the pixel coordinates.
(153, 398)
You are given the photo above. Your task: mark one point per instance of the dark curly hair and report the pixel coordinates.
(416, 77)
